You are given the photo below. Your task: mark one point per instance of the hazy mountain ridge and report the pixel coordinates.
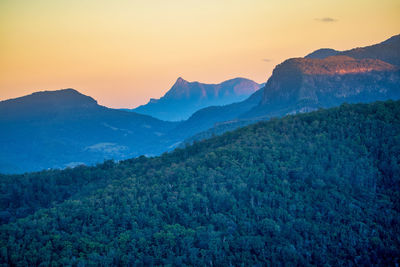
(185, 98)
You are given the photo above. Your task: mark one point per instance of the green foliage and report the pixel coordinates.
(312, 189)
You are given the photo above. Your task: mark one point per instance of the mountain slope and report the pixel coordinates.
(60, 128)
(313, 189)
(185, 98)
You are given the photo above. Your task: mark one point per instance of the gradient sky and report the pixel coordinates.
(124, 52)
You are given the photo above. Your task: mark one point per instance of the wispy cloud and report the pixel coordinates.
(266, 59)
(326, 19)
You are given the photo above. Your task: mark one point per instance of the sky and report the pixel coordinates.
(124, 52)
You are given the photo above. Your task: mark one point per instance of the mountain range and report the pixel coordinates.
(65, 128)
(185, 98)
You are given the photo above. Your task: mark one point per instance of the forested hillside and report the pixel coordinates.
(319, 188)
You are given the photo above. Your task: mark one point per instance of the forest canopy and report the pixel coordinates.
(320, 188)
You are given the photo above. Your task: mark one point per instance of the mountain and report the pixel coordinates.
(314, 189)
(305, 84)
(185, 98)
(45, 103)
(388, 51)
(56, 129)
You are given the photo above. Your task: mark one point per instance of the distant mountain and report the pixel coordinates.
(185, 98)
(56, 129)
(388, 51)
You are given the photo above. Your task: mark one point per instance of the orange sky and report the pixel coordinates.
(123, 52)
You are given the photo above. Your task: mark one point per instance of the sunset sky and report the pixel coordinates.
(123, 52)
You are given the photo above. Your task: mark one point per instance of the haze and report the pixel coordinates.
(123, 54)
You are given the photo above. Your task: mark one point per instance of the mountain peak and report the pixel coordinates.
(59, 93)
(180, 80)
(49, 100)
(63, 97)
(323, 53)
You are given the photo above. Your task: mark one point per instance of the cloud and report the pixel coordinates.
(266, 59)
(326, 19)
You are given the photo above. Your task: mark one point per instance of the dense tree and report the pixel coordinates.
(312, 189)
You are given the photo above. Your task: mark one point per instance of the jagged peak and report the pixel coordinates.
(180, 80)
